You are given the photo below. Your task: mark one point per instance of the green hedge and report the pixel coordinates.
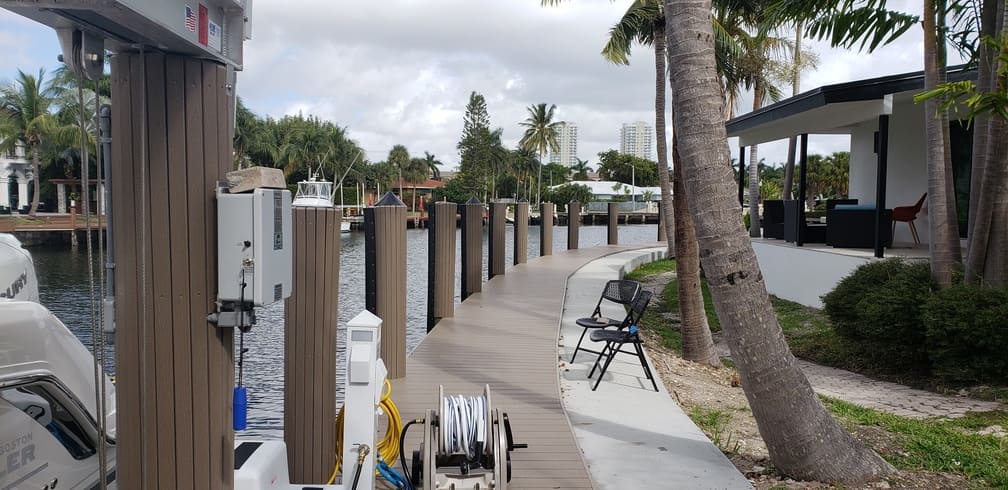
(878, 309)
(967, 334)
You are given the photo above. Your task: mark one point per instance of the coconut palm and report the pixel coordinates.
(540, 136)
(26, 102)
(803, 439)
(644, 22)
(399, 159)
(580, 170)
(433, 165)
(416, 171)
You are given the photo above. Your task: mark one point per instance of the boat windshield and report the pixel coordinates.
(314, 189)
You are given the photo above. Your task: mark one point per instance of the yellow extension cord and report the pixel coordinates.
(388, 447)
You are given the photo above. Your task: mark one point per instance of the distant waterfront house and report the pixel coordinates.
(887, 166)
(15, 168)
(608, 190)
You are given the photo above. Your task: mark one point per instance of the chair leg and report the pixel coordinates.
(913, 230)
(578, 347)
(612, 354)
(604, 352)
(645, 365)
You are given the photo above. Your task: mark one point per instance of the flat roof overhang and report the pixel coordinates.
(830, 109)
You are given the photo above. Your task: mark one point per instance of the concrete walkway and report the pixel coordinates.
(631, 436)
(890, 397)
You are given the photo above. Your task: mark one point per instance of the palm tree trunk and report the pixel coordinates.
(754, 200)
(944, 244)
(667, 203)
(803, 439)
(539, 181)
(36, 177)
(697, 344)
(795, 89)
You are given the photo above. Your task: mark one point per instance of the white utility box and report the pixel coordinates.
(254, 244)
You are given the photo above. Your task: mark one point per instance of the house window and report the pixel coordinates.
(50, 412)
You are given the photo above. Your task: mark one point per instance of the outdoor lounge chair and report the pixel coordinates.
(908, 214)
(621, 292)
(616, 339)
(853, 226)
(773, 218)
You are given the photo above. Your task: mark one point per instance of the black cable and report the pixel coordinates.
(356, 477)
(402, 450)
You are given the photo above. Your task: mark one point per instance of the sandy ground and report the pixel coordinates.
(699, 388)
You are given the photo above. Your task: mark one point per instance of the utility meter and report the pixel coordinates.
(254, 246)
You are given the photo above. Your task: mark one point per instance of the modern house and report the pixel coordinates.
(15, 168)
(887, 170)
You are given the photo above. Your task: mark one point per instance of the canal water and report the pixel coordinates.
(63, 288)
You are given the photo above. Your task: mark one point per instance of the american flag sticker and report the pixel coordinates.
(190, 18)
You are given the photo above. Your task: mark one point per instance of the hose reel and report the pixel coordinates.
(467, 444)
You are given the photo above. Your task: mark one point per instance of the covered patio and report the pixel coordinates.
(887, 160)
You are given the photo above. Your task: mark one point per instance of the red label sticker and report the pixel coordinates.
(204, 24)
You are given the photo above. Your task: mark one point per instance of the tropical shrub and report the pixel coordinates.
(878, 309)
(967, 334)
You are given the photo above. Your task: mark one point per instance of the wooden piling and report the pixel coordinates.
(573, 224)
(546, 213)
(613, 223)
(385, 277)
(175, 370)
(495, 247)
(310, 322)
(521, 221)
(441, 262)
(472, 248)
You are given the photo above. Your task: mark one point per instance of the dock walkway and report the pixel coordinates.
(506, 337)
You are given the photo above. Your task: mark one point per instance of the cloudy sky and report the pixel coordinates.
(400, 71)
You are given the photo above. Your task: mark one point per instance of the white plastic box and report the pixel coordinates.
(254, 241)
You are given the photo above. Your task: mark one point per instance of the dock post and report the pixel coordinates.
(441, 262)
(614, 223)
(73, 227)
(573, 224)
(385, 277)
(310, 322)
(495, 247)
(175, 369)
(521, 222)
(546, 213)
(472, 247)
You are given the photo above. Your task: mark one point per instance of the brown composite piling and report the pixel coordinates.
(546, 212)
(175, 370)
(614, 223)
(573, 224)
(441, 262)
(385, 277)
(495, 237)
(472, 248)
(521, 221)
(310, 319)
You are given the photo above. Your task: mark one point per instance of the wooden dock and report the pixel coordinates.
(506, 336)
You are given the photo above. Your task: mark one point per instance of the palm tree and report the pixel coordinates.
(399, 159)
(803, 439)
(580, 170)
(644, 22)
(26, 102)
(540, 136)
(433, 165)
(416, 171)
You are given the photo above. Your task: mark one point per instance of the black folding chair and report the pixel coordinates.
(616, 339)
(622, 292)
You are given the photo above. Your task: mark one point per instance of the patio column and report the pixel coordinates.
(22, 191)
(101, 198)
(880, 183)
(61, 205)
(741, 173)
(4, 191)
(802, 181)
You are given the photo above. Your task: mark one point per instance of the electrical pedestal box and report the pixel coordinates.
(254, 246)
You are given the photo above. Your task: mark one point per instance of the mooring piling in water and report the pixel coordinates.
(495, 247)
(613, 223)
(472, 247)
(573, 224)
(441, 262)
(385, 273)
(521, 221)
(546, 213)
(310, 318)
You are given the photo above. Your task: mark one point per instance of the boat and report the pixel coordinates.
(317, 193)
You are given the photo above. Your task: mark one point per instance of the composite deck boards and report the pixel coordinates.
(506, 336)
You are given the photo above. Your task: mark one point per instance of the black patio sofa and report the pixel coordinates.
(814, 233)
(773, 218)
(853, 226)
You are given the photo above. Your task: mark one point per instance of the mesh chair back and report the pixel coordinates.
(638, 306)
(621, 291)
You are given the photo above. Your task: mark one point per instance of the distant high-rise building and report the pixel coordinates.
(567, 135)
(636, 138)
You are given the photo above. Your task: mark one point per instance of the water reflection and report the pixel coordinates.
(63, 288)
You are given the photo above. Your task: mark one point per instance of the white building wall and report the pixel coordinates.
(636, 139)
(801, 274)
(567, 136)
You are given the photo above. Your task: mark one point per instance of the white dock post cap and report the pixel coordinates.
(365, 319)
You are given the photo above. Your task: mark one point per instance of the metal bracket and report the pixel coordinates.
(243, 318)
